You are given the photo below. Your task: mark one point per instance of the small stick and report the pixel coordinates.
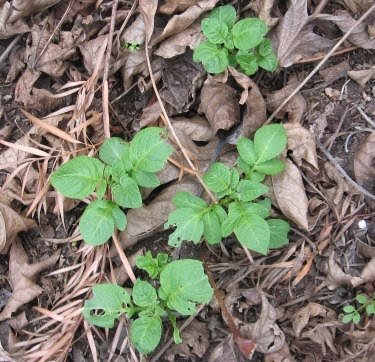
(343, 172)
(334, 136)
(320, 57)
(123, 258)
(322, 62)
(9, 48)
(366, 117)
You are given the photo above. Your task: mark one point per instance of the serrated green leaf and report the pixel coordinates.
(248, 62)
(347, 318)
(112, 150)
(145, 179)
(349, 309)
(212, 228)
(248, 33)
(189, 226)
(145, 333)
(214, 30)
(361, 299)
(269, 62)
(149, 264)
(218, 177)
(265, 47)
(278, 232)
(234, 178)
(149, 151)
(97, 224)
(78, 177)
(246, 150)
(226, 14)
(214, 59)
(183, 199)
(269, 141)
(253, 232)
(271, 167)
(183, 284)
(249, 190)
(126, 193)
(119, 218)
(108, 303)
(219, 212)
(144, 294)
(176, 333)
(356, 317)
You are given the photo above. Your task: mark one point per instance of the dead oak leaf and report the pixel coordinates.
(225, 351)
(361, 77)
(22, 277)
(263, 9)
(171, 6)
(356, 6)
(148, 10)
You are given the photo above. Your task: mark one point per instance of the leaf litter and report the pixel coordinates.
(56, 69)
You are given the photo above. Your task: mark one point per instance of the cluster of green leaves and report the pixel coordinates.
(353, 314)
(238, 44)
(241, 208)
(123, 167)
(130, 46)
(183, 284)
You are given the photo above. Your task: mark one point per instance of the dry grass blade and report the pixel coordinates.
(26, 149)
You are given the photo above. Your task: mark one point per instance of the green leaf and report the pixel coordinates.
(248, 33)
(255, 176)
(78, 177)
(101, 189)
(234, 178)
(183, 284)
(108, 303)
(361, 299)
(145, 333)
(249, 190)
(185, 199)
(144, 294)
(214, 59)
(126, 193)
(214, 30)
(248, 62)
(271, 167)
(112, 150)
(119, 218)
(189, 226)
(269, 62)
(219, 212)
(269, 141)
(145, 179)
(246, 149)
(218, 177)
(349, 309)
(347, 318)
(149, 151)
(97, 224)
(265, 47)
(256, 208)
(122, 167)
(370, 309)
(212, 228)
(225, 14)
(278, 232)
(356, 317)
(235, 210)
(253, 232)
(149, 264)
(176, 333)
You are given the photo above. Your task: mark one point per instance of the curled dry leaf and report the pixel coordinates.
(302, 144)
(263, 9)
(335, 72)
(135, 63)
(282, 355)
(16, 62)
(356, 6)
(22, 277)
(148, 10)
(288, 194)
(135, 33)
(171, 6)
(362, 76)
(364, 162)
(196, 128)
(177, 44)
(225, 351)
(220, 104)
(195, 341)
(11, 224)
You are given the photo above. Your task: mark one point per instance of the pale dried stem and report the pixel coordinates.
(123, 258)
(9, 48)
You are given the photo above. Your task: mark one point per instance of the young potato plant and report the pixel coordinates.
(239, 44)
(183, 284)
(123, 167)
(353, 314)
(241, 208)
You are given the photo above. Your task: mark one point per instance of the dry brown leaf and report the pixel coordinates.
(362, 76)
(196, 128)
(283, 355)
(22, 277)
(148, 10)
(344, 21)
(8, 29)
(177, 44)
(364, 163)
(220, 105)
(356, 6)
(135, 63)
(263, 9)
(180, 22)
(17, 63)
(150, 114)
(335, 72)
(11, 224)
(171, 6)
(225, 351)
(288, 194)
(295, 107)
(195, 341)
(302, 144)
(135, 33)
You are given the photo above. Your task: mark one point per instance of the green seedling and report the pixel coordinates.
(352, 314)
(122, 167)
(240, 44)
(183, 284)
(241, 208)
(131, 46)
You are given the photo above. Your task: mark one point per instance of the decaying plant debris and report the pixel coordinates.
(74, 73)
